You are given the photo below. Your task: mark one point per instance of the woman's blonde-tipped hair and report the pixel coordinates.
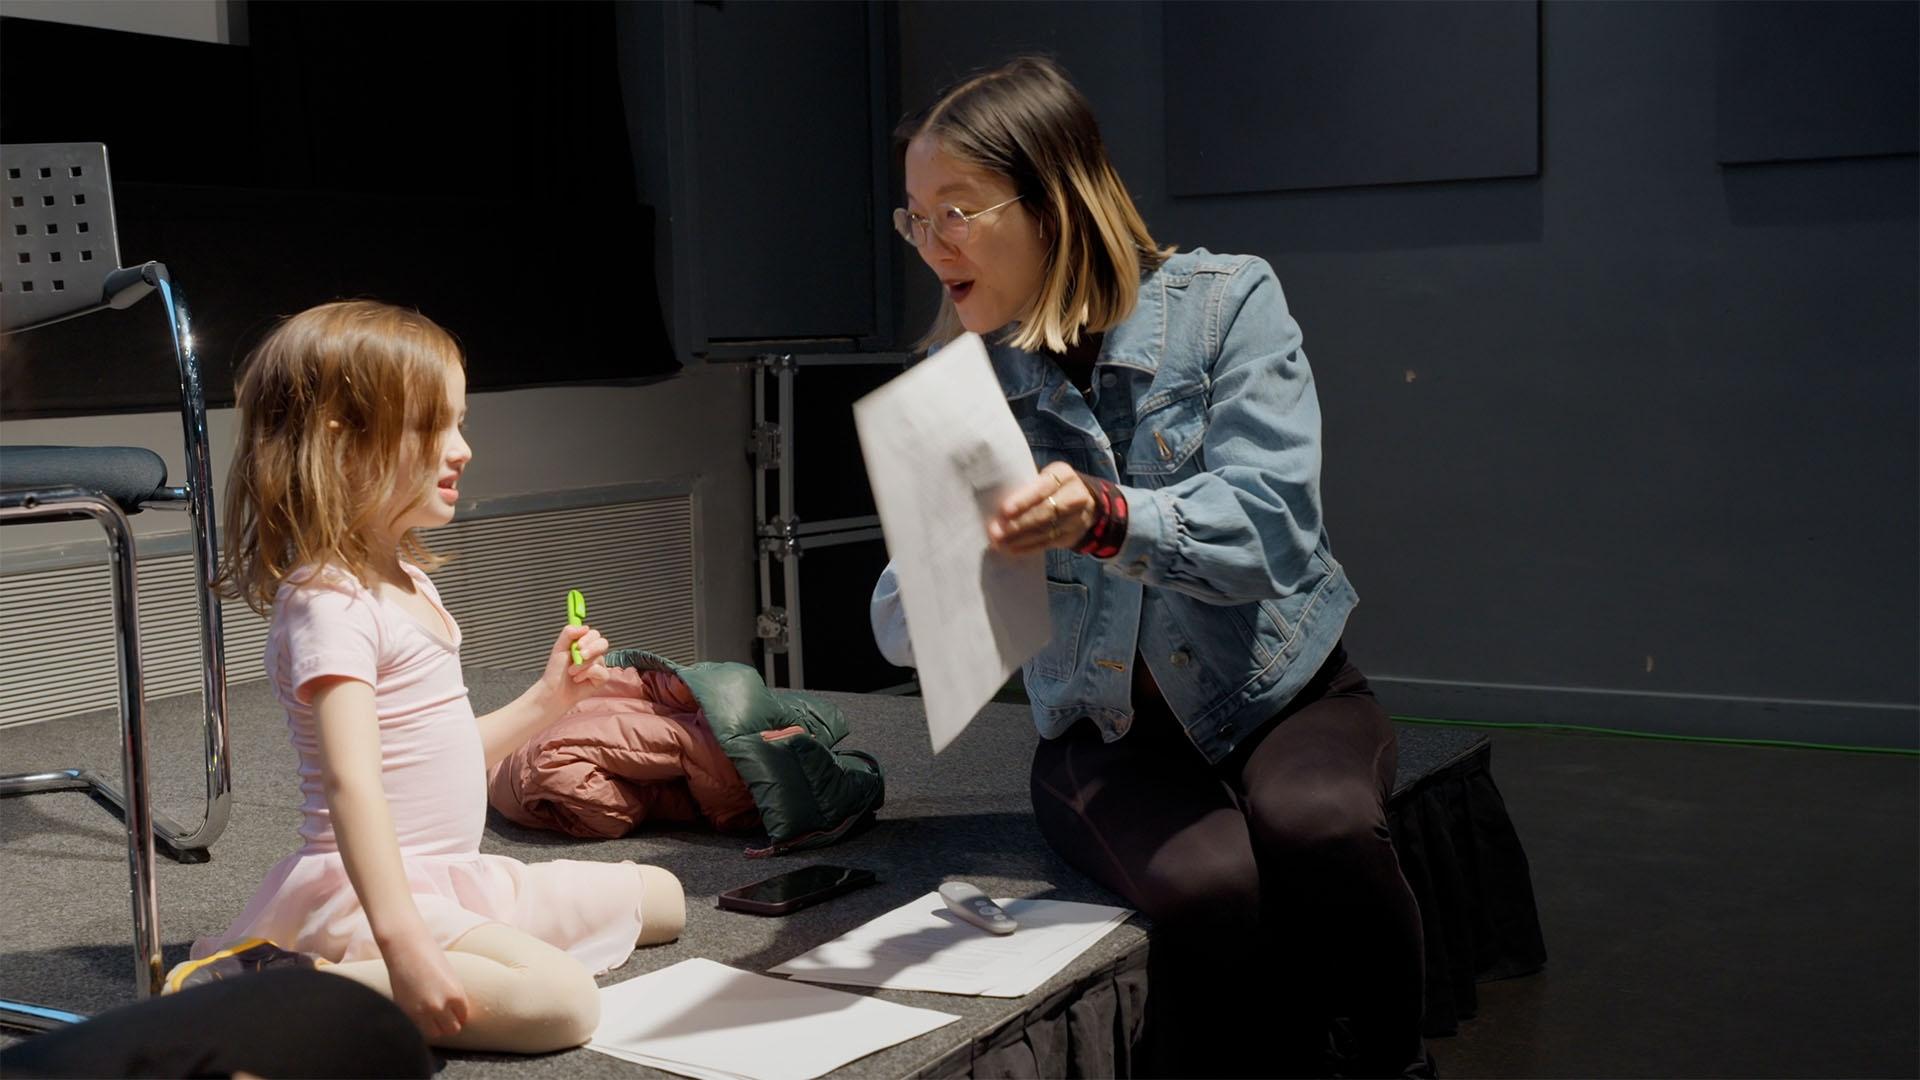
(341, 411)
(1027, 121)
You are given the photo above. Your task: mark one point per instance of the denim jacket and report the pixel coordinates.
(1203, 410)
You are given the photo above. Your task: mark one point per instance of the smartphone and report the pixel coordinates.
(795, 889)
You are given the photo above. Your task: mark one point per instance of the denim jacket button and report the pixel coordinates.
(1180, 657)
(1225, 732)
(1109, 379)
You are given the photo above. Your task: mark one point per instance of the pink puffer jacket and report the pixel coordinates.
(638, 752)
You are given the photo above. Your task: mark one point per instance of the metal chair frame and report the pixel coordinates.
(119, 288)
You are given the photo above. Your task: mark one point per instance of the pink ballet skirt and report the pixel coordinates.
(433, 772)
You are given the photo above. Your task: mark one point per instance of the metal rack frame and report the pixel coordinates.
(780, 537)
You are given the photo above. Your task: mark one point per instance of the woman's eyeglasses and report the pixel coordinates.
(949, 222)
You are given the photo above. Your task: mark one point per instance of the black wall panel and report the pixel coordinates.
(476, 167)
(1276, 97)
(783, 170)
(1804, 80)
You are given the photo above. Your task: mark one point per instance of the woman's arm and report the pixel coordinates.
(424, 985)
(560, 687)
(889, 619)
(1240, 530)
(1245, 527)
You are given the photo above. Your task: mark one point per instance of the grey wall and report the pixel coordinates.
(1632, 442)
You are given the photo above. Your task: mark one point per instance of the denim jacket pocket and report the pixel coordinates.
(1288, 612)
(1265, 628)
(1276, 622)
(1067, 607)
(1168, 437)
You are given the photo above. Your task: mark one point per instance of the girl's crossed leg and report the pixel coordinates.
(525, 996)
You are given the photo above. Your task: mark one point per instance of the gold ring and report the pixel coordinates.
(1056, 508)
(1059, 481)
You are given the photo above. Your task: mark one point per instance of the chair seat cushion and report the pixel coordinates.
(129, 475)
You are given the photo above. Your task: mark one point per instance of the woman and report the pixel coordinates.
(1208, 750)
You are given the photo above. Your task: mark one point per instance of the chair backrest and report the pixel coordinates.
(58, 243)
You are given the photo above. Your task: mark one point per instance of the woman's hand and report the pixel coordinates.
(567, 681)
(425, 987)
(1054, 511)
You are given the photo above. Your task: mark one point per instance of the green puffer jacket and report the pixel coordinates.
(809, 794)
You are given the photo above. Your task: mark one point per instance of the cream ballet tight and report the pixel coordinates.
(525, 996)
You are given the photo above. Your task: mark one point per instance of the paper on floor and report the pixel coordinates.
(703, 1019)
(942, 449)
(922, 946)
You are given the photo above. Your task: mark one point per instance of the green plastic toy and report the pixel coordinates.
(576, 616)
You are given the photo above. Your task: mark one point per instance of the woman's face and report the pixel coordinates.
(993, 276)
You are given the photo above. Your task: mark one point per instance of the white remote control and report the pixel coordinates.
(973, 906)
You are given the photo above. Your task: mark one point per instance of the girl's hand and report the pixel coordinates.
(1054, 511)
(425, 987)
(569, 682)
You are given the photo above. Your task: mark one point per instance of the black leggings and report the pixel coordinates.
(1276, 897)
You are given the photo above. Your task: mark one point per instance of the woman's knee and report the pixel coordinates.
(1218, 897)
(1328, 824)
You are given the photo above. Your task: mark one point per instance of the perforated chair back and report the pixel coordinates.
(58, 244)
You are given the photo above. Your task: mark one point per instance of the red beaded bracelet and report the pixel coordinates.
(1109, 528)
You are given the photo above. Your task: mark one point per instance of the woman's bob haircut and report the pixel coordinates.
(1027, 122)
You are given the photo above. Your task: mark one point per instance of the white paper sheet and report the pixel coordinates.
(922, 946)
(942, 449)
(703, 1019)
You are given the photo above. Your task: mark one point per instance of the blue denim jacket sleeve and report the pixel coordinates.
(890, 620)
(1244, 525)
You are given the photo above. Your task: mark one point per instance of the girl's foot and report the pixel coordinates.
(243, 958)
(663, 906)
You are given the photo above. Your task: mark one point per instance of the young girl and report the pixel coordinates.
(351, 417)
